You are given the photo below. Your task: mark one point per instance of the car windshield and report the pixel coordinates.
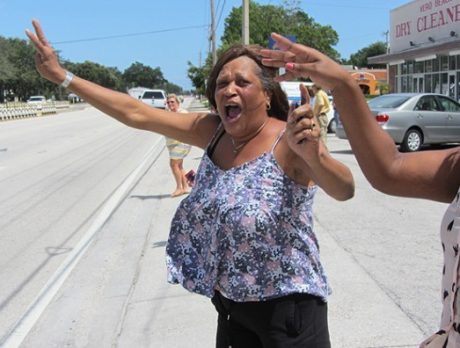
(152, 94)
(36, 99)
(388, 101)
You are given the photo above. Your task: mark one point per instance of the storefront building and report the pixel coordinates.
(424, 48)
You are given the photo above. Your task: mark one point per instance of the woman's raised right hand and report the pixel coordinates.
(46, 60)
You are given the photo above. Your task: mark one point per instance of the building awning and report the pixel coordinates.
(446, 48)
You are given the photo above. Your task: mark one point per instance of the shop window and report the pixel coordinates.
(419, 67)
(428, 66)
(436, 87)
(404, 84)
(417, 84)
(444, 63)
(452, 63)
(444, 84)
(458, 83)
(428, 86)
(410, 67)
(435, 63)
(404, 68)
(452, 86)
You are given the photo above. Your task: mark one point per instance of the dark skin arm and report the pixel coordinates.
(431, 175)
(191, 128)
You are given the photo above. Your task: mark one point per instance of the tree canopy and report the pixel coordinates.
(287, 19)
(359, 58)
(265, 19)
(141, 75)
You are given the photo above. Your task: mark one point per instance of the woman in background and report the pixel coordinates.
(177, 151)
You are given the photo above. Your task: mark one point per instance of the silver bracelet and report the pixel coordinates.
(68, 79)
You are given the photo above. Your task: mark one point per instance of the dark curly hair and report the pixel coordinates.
(278, 100)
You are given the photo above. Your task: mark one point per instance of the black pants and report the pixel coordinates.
(298, 320)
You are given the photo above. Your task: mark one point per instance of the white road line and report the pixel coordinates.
(46, 294)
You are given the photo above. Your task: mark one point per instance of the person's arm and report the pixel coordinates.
(194, 128)
(432, 175)
(428, 174)
(331, 175)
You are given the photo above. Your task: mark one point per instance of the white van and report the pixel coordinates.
(153, 97)
(291, 88)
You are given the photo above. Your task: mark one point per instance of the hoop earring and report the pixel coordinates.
(268, 106)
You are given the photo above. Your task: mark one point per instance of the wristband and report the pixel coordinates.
(68, 79)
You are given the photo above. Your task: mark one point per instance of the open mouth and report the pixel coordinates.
(232, 112)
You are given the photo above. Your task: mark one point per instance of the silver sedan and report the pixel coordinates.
(414, 119)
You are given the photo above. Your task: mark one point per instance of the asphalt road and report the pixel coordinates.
(84, 218)
(56, 174)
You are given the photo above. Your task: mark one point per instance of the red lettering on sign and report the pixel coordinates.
(426, 7)
(403, 29)
(439, 18)
(454, 13)
(441, 2)
(433, 20)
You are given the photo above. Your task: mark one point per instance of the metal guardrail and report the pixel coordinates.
(16, 110)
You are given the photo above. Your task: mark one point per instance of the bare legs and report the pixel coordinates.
(179, 175)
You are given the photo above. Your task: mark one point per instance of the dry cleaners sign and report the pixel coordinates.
(422, 23)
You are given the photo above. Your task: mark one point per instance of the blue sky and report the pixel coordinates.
(170, 33)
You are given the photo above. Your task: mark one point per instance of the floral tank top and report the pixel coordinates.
(449, 334)
(247, 232)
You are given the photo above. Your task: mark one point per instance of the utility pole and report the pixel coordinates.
(213, 34)
(386, 33)
(245, 29)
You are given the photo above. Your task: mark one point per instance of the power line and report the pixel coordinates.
(100, 38)
(220, 15)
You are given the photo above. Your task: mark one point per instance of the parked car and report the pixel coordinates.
(415, 119)
(152, 97)
(36, 99)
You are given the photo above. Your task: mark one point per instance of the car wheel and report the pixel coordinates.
(412, 141)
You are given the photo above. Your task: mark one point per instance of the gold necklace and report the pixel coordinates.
(237, 148)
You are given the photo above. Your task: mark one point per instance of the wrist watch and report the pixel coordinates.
(67, 80)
